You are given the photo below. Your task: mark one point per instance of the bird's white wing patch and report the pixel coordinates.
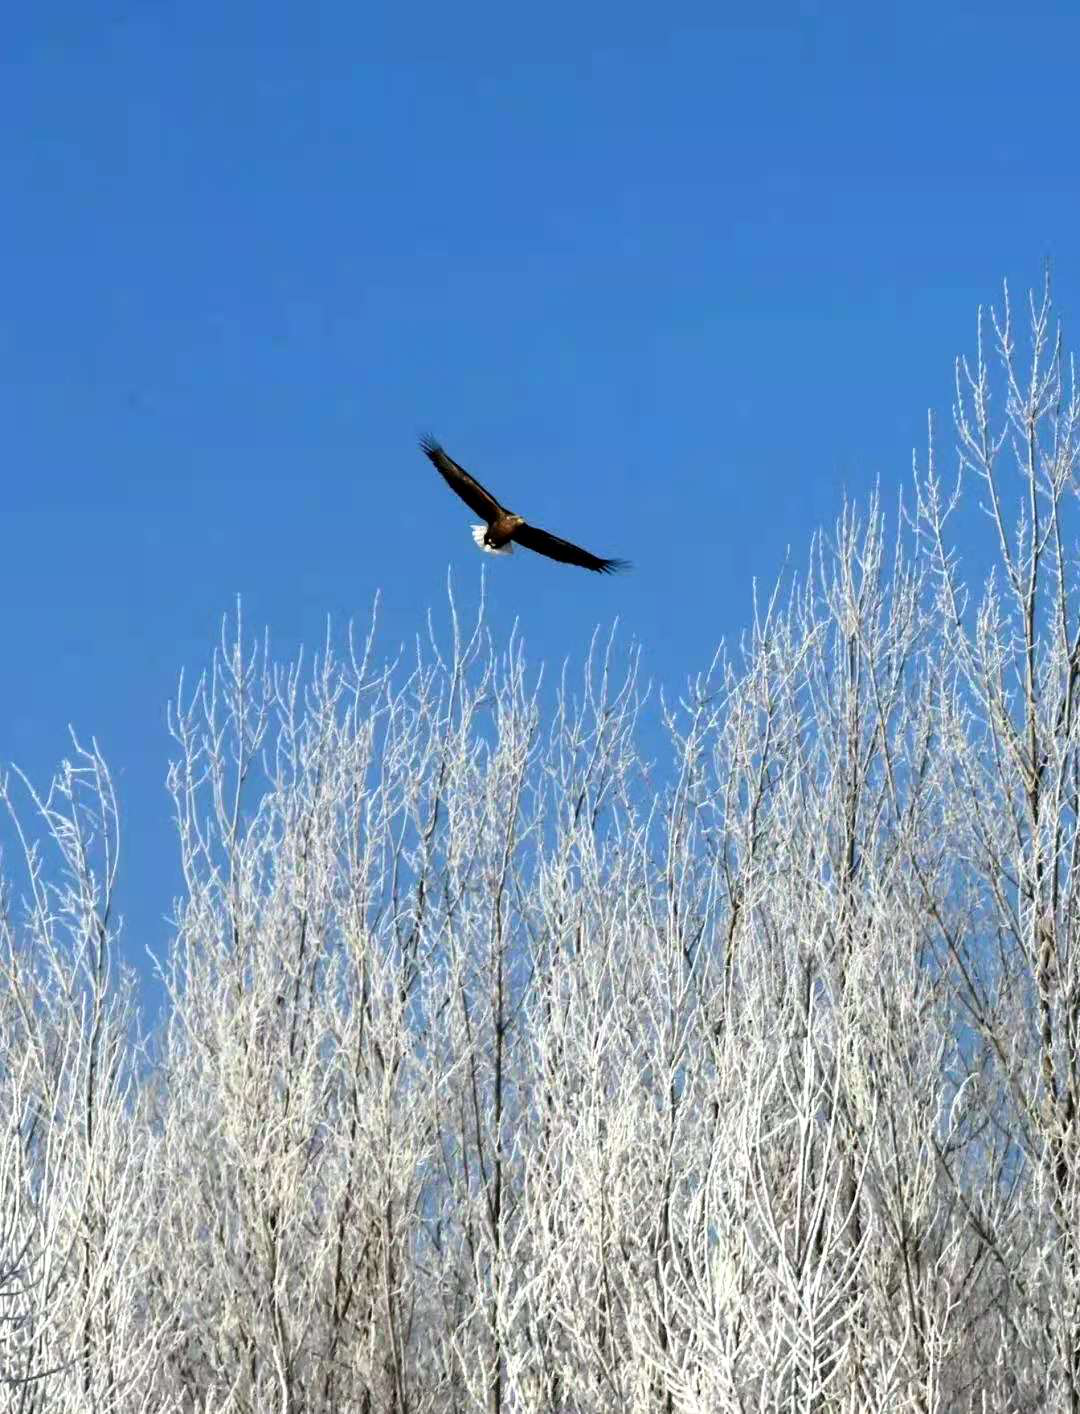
(478, 533)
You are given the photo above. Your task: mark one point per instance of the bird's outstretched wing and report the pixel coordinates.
(459, 480)
(550, 545)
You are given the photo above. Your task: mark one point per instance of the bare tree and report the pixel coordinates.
(1007, 704)
(73, 1187)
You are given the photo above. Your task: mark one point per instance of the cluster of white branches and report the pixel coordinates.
(557, 1047)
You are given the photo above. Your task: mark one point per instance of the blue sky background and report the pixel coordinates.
(667, 278)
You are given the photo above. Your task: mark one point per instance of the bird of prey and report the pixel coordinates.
(503, 529)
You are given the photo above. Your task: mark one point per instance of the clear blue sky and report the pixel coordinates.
(667, 277)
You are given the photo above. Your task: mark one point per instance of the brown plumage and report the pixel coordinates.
(502, 527)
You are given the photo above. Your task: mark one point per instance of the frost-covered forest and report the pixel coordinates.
(510, 1066)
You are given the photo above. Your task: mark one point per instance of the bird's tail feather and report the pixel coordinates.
(478, 533)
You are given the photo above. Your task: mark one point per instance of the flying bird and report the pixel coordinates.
(503, 529)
